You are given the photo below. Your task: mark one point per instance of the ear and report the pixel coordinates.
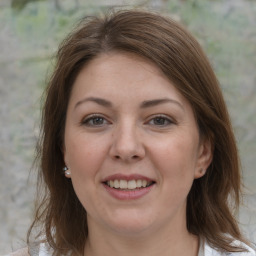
(66, 169)
(65, 158)
(204, 158)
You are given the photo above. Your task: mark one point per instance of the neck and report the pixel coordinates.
(167, 241)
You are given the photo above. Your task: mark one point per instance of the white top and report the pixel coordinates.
(204, 250)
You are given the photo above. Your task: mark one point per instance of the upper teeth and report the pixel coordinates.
(131, 184)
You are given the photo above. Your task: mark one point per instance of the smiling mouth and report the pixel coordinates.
(128, 185)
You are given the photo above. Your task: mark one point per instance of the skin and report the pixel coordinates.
(159, 140)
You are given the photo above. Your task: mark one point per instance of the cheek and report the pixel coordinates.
(83, 152)
(177, 151)
(84, 157)
(175, 159)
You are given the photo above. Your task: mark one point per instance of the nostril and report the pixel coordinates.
(132, 157)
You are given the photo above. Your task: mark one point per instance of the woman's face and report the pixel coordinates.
(132, 145)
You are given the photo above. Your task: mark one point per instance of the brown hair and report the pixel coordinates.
(213, 198)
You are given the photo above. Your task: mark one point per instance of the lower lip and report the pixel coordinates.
(126, 194)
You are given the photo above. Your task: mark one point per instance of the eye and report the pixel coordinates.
(160, 121)
(95, 121)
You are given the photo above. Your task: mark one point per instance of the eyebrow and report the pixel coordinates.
(144, 104)
(100, 101)
(152, 103)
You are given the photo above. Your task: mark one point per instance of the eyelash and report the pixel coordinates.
(163, 118)
(92, 118)
(89, 121)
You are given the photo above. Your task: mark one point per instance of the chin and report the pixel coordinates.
(130, 224)
(130, 230)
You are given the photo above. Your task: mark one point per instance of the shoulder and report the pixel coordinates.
(33, 250)
(251, 250)
(20, 252)
(209, 251)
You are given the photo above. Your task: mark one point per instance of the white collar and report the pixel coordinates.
(206, 250)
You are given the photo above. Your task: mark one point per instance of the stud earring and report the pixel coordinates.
(67, 171)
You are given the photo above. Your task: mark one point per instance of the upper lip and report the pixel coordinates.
(126, 177)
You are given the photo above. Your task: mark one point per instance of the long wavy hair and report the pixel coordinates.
(213, 199)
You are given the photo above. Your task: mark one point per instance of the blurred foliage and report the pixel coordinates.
(20, 4)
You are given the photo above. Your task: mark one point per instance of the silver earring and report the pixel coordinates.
(66, 171)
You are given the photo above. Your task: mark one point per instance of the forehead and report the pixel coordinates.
(122, 72)
(120, 64)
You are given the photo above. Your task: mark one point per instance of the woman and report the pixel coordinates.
(137, 152)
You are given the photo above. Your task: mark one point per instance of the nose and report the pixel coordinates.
(127, 144)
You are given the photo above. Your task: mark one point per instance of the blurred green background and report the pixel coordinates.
(30, 31)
